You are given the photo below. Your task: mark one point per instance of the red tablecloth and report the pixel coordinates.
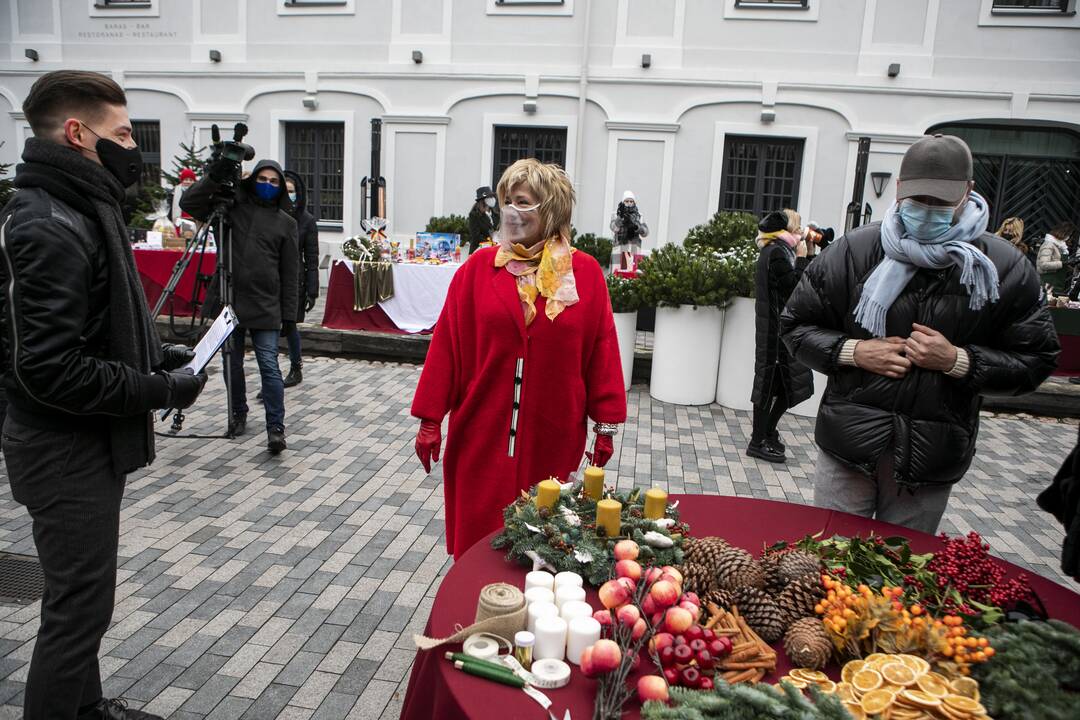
(437, 690)
(339, 313)
(156, 267)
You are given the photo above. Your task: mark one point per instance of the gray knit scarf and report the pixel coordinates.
(904, 255)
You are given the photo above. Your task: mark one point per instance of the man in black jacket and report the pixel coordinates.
(264, 271)
(308, 264)
(912, 319)
(83, 368)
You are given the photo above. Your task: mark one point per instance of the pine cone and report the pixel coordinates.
(697, 578)
(807, 644)
(795, 565)
(770, 561)
(735, 568)
(761, 613)
(799, 598)
(701, 550)
(721, 598)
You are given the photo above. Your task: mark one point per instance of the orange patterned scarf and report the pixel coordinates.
(545, 269)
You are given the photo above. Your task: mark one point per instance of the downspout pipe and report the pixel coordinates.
(583, 82)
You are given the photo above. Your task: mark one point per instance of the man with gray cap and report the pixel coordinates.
(913, 319)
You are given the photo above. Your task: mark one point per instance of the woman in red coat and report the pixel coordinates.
(523, 353)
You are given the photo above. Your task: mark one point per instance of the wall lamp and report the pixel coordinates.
(417, 56)
(894, 69)
(878, 180)
(215, 56)
(32, 54)
(646, 60)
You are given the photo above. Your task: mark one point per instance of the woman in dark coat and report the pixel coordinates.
(308, 290)
(483, 218)
(779, 382)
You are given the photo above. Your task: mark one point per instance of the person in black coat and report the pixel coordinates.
(913, 319)
(265, 252)
(779, 381)
(1062, 499)
(483, 218)
(308, 265)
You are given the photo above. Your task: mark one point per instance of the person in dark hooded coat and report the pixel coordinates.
(780, 382)
(265, 264)
(308, 289)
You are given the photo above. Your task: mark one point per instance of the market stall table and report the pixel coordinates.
(437, 690)
(156, 267)
(1067, 325)
(419, 294)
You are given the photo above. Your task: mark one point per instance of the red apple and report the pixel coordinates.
(628, 569)
(652, 687)
(669, 570)
(626, 550)
(667, 656)
(671, 674)
(603, 617)
(664, 593)
(694, 632)
(705, 683)
(639, 629)
(708, 635)
(692, 597)
(653, 574)
(661, 641)
(727, 642)
(648, 605)
(586, 665)
(628, 615)
(683, 654)
(704, 660)
(697, 644)
(657, 618)
(606, 656)
(613, 594)
(680, 640)
(629, 583)
(691, 608)
(690, 676)
(677, 620)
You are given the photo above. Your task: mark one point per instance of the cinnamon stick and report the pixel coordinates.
(759, 664)
(739, 677)
(743, 646)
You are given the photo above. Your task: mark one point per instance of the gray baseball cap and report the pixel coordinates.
(938, 166)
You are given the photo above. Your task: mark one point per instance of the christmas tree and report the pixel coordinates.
(7, 185)
(188, 157)
(148, 205)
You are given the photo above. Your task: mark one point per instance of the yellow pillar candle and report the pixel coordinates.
(608, 514)
(655, 503)
(594, 482)
(547, 492)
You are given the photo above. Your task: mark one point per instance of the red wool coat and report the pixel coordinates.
(571, 372)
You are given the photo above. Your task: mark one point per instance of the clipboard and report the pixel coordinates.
(223, 326)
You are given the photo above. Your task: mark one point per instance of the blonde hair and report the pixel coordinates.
(1011, 229)
(794, 221)
(551, 186)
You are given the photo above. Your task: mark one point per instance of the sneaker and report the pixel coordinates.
(295, 376)
(116, 709)
(765, 451)
(238, 426)
(275, 440)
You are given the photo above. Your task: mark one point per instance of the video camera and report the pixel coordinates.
(630, 218)
(227, 155)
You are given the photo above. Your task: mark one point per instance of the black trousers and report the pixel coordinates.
(66, 482)
(767, 413)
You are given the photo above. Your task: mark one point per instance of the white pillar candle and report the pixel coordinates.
(582, 633)
(539, 594)
(568, 578)
(539, 610)
(574, 609)
(567, 593)
(550, 638)
(539, 578)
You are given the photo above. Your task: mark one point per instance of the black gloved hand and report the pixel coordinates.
(287, 326)
(184, 387)
(310, 302)
(175, 357)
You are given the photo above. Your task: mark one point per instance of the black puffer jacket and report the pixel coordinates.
(308, 261)
(774, 368)
(928, 419)
(265, 251)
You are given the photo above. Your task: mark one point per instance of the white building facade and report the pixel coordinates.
(695, 105)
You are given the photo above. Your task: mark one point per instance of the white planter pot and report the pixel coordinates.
(809, 407)
(626, 329)
(735, 379)
(686, 354)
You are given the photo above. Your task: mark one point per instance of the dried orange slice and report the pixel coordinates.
(919, 698)
(827, 686)
(855, 710)
(876, 702)
(797, 682)
(968, 687)
(845, 691)
(850, 669)
(866, 680)
(964, 704)
(898, 674)
(932, 686)
(874, 657)
(810, 676)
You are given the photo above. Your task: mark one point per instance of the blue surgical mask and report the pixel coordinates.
(926, 222)
(292, 197)
(266, 191)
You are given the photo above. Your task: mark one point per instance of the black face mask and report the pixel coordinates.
(125, 164)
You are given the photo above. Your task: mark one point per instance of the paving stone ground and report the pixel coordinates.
(259, 587)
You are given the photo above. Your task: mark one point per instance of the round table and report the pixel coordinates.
(437, 690)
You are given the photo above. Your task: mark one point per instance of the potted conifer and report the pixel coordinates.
(624, 306)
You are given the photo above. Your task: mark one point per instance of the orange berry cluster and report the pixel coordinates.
(841, 604)
(963, 649)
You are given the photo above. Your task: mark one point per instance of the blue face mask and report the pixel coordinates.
(266, 191)
(292, 197)
(926, 222)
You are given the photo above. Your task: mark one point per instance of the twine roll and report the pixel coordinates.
(500, 611)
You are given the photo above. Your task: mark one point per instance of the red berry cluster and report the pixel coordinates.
(966, 565)
(690, 658)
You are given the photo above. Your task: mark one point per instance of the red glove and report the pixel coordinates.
(603, 449)
(428, 443)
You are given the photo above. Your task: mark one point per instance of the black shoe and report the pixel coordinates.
(295, 376)
(238, 426)
(765, 451)
(1075, 380)
(116, 710)
(258, 396)
(275, 440)
(774, 440)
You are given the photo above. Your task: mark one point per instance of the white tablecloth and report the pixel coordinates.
(419, 294)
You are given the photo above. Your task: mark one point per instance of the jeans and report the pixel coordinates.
(273, 388)
(67, 483)
(294, 347)
(838, 487)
